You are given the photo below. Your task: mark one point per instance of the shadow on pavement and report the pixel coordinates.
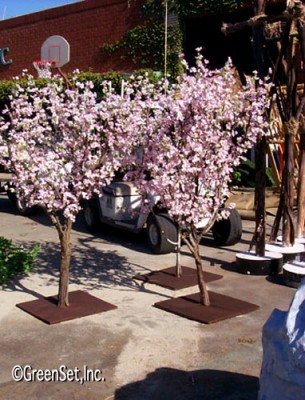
(172, 384)
(133, 241)
(90, 268)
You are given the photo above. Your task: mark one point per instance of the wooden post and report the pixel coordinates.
(260, 149)
(291, 128)
(300, 230)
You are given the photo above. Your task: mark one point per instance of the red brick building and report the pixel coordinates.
(86, 26)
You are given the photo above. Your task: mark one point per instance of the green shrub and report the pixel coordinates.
(186, 7)
(115, 78)
(244, 175)
(144, 45)
(15, 260)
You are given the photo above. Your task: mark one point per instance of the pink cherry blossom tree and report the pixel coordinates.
(208, 122)
(62, 149)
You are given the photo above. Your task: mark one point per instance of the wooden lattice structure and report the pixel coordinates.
(276, 143)
(286, 31)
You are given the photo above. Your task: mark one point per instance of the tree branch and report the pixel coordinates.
(295, 10)
(251, 22)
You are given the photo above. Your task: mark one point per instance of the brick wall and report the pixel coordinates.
(86, 25)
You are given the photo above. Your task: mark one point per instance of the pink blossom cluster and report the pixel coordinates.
(61, 144)
(199, 131)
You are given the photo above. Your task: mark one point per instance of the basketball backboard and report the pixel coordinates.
(56, 49)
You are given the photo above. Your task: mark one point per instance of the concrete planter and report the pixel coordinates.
(251, 264)
(290, 253)
(293, 273)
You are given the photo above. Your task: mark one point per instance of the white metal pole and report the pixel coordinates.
(165, 40)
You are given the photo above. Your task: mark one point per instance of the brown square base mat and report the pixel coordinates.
(221, 307)
(81, 304)
(168, 279)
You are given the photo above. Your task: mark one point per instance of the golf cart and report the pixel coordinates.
(120, 205)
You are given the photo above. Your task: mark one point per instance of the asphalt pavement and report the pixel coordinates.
(136, 351)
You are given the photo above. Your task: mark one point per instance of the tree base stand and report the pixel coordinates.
(300, 240)
(290, 253)
(221, 307)
(167, 278)
(81, 305)
(251, 264)
(293, 273)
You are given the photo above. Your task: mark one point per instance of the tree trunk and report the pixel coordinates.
(260, 149)
(285, 208)
(204, 295)
(291, 128)
(279, 214)
(291, 123)
(260, 197)
(300, 231)
(193, 245)
(65, 257)
(178, 254)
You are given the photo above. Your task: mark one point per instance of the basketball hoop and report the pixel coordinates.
(43, 68)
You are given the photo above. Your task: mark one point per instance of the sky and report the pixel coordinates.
(15, 8)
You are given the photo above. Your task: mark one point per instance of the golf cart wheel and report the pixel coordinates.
(91, 215)
(227, 232)
(160, 229)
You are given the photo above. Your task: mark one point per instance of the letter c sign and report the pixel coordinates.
(3, 52)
